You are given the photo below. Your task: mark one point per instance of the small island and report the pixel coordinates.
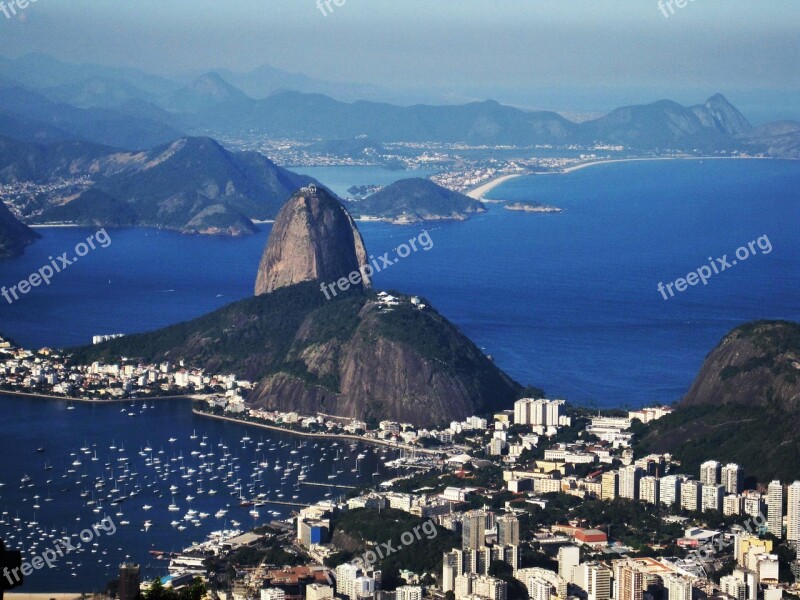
(533, 207)
(415, 200)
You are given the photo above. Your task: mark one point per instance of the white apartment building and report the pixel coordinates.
(793, 513)
(710, 472)
(712, 496)
(775, 508)
(648, 489)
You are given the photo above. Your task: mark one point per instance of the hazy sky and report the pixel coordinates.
(453, 44)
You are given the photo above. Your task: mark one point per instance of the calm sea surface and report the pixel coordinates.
(567, 302)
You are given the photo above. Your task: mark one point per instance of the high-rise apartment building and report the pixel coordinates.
(629, 482)
(775, 509)
(732, 477)
(793, 513)
(473, 530)
(691, 494)
(710, 472)
(648, 489)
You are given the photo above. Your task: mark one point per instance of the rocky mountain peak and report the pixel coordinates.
(314, 238)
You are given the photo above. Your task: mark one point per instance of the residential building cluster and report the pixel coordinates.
(47, 373)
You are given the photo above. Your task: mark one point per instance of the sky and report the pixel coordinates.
(521, 51)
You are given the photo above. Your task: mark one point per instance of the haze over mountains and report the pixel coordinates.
(192, 185)
(116, 146)
(44, 98)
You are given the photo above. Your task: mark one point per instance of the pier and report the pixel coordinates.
(281, 502)
(329, 485)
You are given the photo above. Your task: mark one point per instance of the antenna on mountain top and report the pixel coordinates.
(312, 189)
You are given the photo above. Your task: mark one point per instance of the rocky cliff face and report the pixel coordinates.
(354, 355)
(383, 370)
(757, 364)
(351, 356)
(313, 239)
(743, 407)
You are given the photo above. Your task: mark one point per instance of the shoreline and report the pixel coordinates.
(580, 166)
(35, 396)
(340, 436)
(330, 436)
(479, 192)
(46, 595)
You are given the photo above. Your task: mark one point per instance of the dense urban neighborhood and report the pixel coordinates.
(543, 501)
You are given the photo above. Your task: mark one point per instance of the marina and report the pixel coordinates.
(190, 477)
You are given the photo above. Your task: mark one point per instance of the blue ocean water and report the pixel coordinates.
(567, 302)
(149, 455)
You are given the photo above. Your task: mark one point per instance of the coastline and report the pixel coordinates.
(329, 436)
(92, 400)
(340, 436)
(479, 192)
(580, 166)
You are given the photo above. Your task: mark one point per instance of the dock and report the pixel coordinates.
(329, 485)
(281, 502)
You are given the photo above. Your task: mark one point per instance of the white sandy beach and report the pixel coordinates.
(623, 160)
(479, 192)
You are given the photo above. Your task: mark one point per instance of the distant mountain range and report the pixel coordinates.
(44, 99)
(191, 185)
(665, 125)
(118, 138)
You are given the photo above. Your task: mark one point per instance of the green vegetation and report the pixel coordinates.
(196, 591)
(271, 550)
(277, 333)
(14, 235)
(371, 527)
(414, 200)
(776, 339)
(634, 524)
(252, 337)
(734, 433)
(432, 336)
(488, 477)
